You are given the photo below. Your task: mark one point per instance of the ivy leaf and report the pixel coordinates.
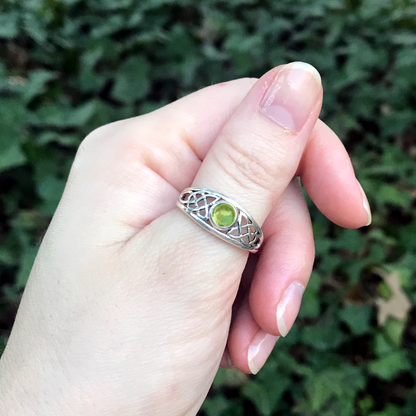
(217, 406)
(9, 24)
(325, 335)
(50, 189)
(357, 317)
(390, 410)
(388, 366)
(131, 80)
(11, 154)
(333, 386)
(11, 115)
(265, 396)
(36, 83)
(26, 263)
(63, 115)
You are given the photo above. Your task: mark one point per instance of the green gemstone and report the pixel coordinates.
(223, 215)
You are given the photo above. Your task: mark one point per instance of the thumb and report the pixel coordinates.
(194, 274)
(259, 148)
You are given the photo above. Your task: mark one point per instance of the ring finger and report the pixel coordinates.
(272, 303)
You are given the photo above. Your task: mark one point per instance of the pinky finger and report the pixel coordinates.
(248, 344)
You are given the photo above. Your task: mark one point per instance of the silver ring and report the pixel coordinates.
(222, 217)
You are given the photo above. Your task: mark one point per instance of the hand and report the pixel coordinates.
(128, 306)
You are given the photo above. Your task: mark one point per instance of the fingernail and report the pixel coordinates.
(366, 205)
(292, 96)
(288, 308)
(260, 349)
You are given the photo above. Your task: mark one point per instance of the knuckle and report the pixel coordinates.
(249, 81)
(249, 165)
(100, 134)
(92, 144)
(113, 155)
(107, 141)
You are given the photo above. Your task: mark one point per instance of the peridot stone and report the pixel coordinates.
(223, 215)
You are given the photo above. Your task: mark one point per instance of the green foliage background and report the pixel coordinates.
(68, 66)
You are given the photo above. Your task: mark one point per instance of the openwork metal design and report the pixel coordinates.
(199, 203)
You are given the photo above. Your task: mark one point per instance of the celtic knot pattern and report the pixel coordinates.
(198, 203)
(245, 231)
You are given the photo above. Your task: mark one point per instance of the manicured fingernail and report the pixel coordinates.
(366, 205)
(292, 96)
(288, 308)
(260, 349)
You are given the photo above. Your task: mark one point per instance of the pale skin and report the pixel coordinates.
(128, 306)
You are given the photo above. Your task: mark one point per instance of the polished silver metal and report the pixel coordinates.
(198, 203)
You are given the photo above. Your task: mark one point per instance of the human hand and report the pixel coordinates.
(128, 306)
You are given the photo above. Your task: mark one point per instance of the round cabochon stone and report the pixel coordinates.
(223, 215)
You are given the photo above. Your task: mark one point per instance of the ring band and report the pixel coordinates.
(222, 217)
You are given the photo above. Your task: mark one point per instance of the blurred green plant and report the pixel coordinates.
(69, 66)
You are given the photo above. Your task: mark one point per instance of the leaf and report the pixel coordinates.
(216, 406)
(36, 83)
(81, 114)
(325, 335)
(393, 195)
(311, 305)
(357, 317)
(3, 342)
(26, 263)
(382, 346)
(132, 80)
(350, 240)
(258, 395)
(35, 26)
(393, 328)
(9, 24)
(334, 385)
(53, 136)
(365, 405)
(11, 115)
(50, 189)
(230, 378)
(265, 396)
(63, 115)
(390, 410)
(405, 38)
(388, 366)
(398, 305)
(11, 155)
